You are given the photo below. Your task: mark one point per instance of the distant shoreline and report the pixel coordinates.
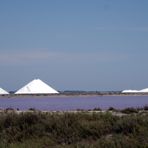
(112, 110)
(72, 95)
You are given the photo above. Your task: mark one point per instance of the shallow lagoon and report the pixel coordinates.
(63, 103)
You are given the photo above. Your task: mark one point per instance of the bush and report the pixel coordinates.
(126, 125)
(97, 109)
(146, 107)
(72, 130)
(129, 110)
(112, 109)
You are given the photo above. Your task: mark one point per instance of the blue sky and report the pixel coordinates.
(74, 44)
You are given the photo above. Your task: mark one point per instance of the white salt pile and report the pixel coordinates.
(136, 91)
(3, 92)
(37, 87)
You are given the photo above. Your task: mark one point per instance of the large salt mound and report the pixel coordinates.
(37, 87)
(144, 90)
(136, 91)
(130, 91)
(3, 92)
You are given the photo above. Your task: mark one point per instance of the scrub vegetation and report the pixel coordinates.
(35, 129)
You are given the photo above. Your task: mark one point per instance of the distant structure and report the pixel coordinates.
(136, 91)
(37, 86)
(3, 92)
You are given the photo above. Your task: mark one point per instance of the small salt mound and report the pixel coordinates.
(37, 87)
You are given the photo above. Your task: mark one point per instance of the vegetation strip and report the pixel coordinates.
(73, 130)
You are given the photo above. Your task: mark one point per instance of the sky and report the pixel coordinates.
(96, 45)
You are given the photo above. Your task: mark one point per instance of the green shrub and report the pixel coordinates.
(129, 110)
(97, 109)
(73, 130)
(146, 107)
(112, 109)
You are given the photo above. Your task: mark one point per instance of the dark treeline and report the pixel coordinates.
(78, 92)
(73, 130)
(69, 93)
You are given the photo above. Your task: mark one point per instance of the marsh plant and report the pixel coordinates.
(73, 130)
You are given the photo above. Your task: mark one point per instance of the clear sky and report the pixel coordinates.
(74, 44)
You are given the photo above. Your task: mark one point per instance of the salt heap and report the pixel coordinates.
(37, 87)
(3, 92)
(144, 90)
(136, 91)
(130, 91)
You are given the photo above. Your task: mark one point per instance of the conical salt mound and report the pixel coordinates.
(36, 87)
(3, 92)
